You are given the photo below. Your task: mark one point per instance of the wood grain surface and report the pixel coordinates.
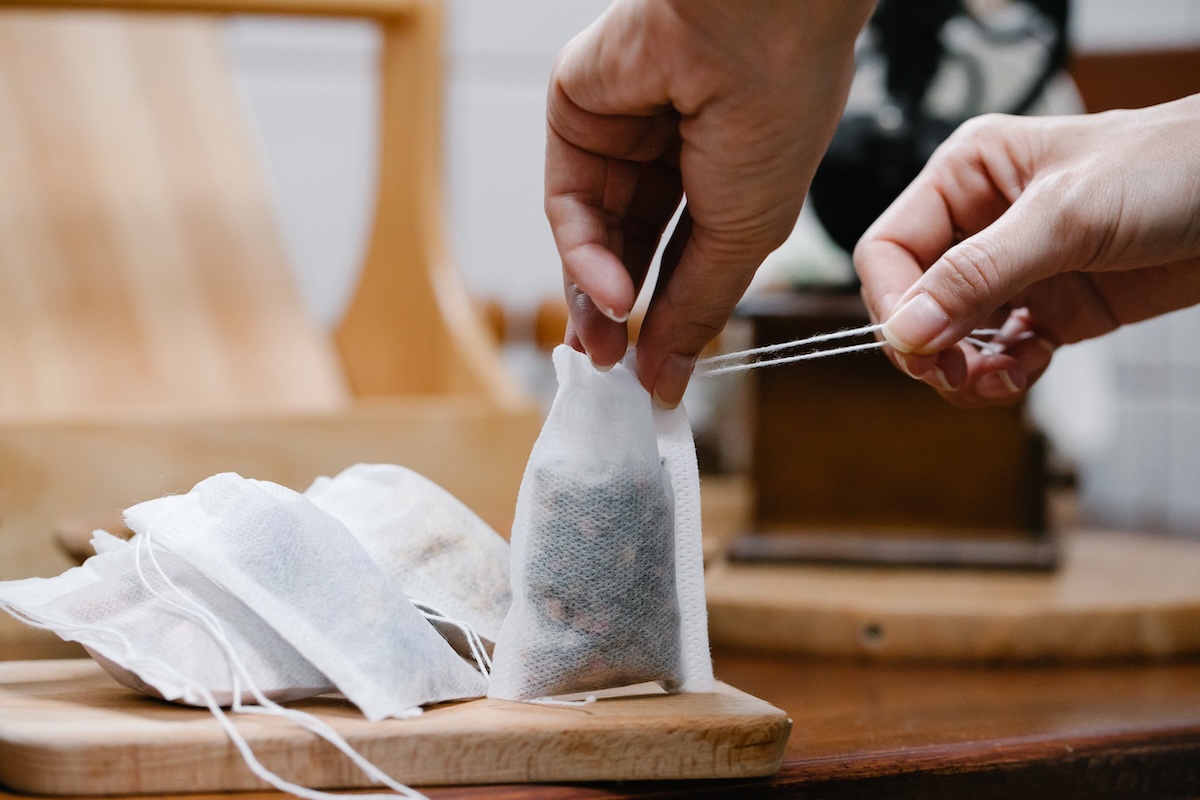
(1129, 731)
(1120, 730)
(67, 729)
(140, 265)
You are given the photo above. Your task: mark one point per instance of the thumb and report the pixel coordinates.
(970, 281)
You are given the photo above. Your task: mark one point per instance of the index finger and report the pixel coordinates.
(896, 250)
(954, 196)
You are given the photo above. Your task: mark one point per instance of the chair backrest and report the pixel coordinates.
(140, 265)
(140, 269)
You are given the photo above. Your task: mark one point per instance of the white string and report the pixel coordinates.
(550, 701)
(478, 651)
(703, 370)
(774, 348)
(744, 360)
(265, 706)
(148, 667)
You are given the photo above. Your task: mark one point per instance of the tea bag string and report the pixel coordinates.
(553, 701)
(265, 705)
(478, 651)
(153, 666)
(744, 360)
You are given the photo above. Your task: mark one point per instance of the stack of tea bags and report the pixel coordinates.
(242, 584)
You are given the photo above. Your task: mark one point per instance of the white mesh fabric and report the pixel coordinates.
(105, 606)
(595, 581)
(435, 548)
(678, 450)
(303, 572)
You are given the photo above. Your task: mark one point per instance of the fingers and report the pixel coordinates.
(700, 281)
(742, 100)
(957, 245)
(604, 238)
(954, 196)
(607, 216)
(931, 265)
(969, 282)
(949, 255)
(1002, 371)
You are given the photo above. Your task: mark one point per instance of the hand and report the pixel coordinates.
(733, 105)
(1058, 229)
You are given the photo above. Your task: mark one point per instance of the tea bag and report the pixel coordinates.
(607, 570)
(306, 576)
(131, 611)
(437, 550)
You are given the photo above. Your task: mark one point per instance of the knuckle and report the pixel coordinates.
(973, 272)
(981, 128)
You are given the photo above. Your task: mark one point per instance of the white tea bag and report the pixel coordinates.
(303, 572)
(136, 613)
(607, 570)
(437, 550)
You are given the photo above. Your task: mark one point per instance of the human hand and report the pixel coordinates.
(732, 104)
(1058, 229)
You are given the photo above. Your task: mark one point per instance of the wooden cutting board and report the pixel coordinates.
(66, 728)
(1115, 596)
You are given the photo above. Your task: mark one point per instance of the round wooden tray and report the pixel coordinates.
(1115, 596)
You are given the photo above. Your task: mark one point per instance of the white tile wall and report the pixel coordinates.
(1146, 472)
(1121, 24)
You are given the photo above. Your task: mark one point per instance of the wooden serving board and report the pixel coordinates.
(1115, 596)
(66, 728)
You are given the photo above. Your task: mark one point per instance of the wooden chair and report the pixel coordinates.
(150, 334)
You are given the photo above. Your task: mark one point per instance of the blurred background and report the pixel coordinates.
(1122, 414)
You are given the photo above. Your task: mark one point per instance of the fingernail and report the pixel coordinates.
(997, 385)
(902, 360)
(672, 380)
(942, 381)
(915, 324)
(608, 312)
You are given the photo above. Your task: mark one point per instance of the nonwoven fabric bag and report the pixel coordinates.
(607, 571)
(307, 577)
(136, 618)
(436, 549)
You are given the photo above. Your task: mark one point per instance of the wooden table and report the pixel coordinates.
(901, 731)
